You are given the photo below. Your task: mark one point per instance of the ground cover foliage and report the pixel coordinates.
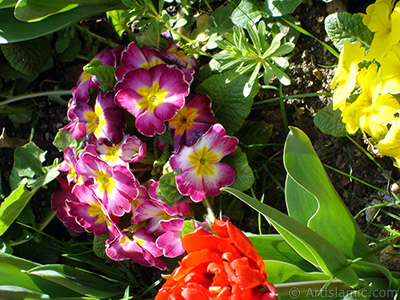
(133, 130)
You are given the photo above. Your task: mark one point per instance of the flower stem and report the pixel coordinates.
(210, 213)
(97, 37)
(34, 95)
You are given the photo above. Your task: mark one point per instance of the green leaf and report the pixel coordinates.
(310, 245)
(119, 23)
(343, 26)
(305, 169)
(254, 135)
(28, 57)
(28, 160)
(8, 3)
(329, 121)
(50, 173)
(99, 246)
(231, 108)
(248, 11)
(28, 31)
(12, 206)
(12, 292)
(167, 190)
(279, 8)
(274, 247)
(36, 10)
(76, 280)
(63, 140)
(188, 227)
(104, 74)
(244, 178)
(281, 272)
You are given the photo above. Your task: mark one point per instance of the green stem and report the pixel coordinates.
(292, 97)
(34, 95)
(283, 111)
(210, 213)
(97, 37)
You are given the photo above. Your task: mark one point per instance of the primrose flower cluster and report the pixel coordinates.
(109, 183)
(366, 83)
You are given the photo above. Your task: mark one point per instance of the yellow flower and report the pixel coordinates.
(391, 71)
(384, 21)
(371, 112)
(345, 75)
(390, 144)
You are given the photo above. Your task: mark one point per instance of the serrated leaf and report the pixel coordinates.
(329, 121)
(248, 11)
(187, 227)
(63, 140)
(279, 8)
(104, 74)
(244, 178)
(28, 57)
(28, 160)
(231, 108)
(167, 190)
(99, 246)
(343, 26)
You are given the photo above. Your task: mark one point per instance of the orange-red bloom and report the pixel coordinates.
(225, 266)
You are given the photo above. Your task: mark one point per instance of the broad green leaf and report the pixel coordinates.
(8, 3)
(343, 26)
(28, 31)
(279, 8)
(12, 206)
(167, 190)
(36, 10)
(248, 11)
(305, 169)
(13, 292)
(329, 121)
(28, 57)
(310, 245)
(274, 247)
(228, 103)
(281, 272)
(76, 280)
(28, 160)
(12, 273)
(63, 140)
(244, 178)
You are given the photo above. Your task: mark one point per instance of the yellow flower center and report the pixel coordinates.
(153, 63)
(106, 183)
(184, 119)
(152, 97)
(96, 121)
(203, 161)
(95, 211)
(86, 76)
(181, 54)
(112, 154)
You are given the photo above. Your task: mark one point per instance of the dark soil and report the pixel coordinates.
(307, 75)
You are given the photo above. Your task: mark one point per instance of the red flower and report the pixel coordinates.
(225, 266)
